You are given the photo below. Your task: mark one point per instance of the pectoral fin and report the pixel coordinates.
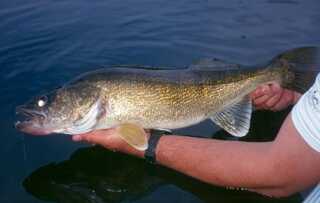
(236, 118)
(134, 135)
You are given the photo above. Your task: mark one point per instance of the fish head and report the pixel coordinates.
(65, 110)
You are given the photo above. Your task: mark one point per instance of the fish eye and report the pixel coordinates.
(42, 101)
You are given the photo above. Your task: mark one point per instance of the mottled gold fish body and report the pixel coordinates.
(188, 98)
(135, 98)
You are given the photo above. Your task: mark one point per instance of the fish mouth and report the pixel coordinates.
(30, 121)
(29, 114)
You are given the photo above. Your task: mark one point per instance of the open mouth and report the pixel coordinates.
(26, 115)
(29, 121)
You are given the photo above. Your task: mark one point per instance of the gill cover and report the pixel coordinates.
(87, 123)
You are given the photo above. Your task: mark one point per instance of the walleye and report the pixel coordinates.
(132, 99)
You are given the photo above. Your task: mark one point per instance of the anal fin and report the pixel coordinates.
(134, 135)
(236, 118)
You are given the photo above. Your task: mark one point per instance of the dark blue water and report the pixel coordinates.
(45, 43)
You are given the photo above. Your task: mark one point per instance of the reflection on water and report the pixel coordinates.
(92, 175)
(97, 175)
(45, 43)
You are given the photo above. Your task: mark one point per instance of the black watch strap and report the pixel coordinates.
(150, 153)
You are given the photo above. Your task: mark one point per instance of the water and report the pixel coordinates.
(45, 43)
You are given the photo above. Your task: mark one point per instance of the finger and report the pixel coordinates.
(272, 95)
(92, 136)
(81, 137)
(286, 99)
(260, 91)
(77, 138)
(264, 94)
(99, 132)
(273, 100)
(282, 104)
(100, 136)
(260, 101)
(256, 93)
(96, 138)
(271, 88)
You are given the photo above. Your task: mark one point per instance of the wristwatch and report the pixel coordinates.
(150, 153)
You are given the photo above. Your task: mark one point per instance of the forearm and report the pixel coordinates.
(224, 163)
(271, 168)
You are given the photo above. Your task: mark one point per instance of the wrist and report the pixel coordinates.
(151, 152)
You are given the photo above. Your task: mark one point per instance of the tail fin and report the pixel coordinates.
(303, 64)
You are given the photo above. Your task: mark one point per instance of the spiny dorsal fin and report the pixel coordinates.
(213, 64)
(236, 118)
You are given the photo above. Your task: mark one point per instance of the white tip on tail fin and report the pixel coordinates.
(236, 118)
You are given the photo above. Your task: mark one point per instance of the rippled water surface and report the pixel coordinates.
(45, 43)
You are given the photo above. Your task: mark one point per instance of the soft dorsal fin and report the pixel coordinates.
(236, 118)
(213, 64)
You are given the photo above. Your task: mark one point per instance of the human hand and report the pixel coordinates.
(109, 139)
(273, 97)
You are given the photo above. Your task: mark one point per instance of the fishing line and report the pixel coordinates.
(24, 149)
